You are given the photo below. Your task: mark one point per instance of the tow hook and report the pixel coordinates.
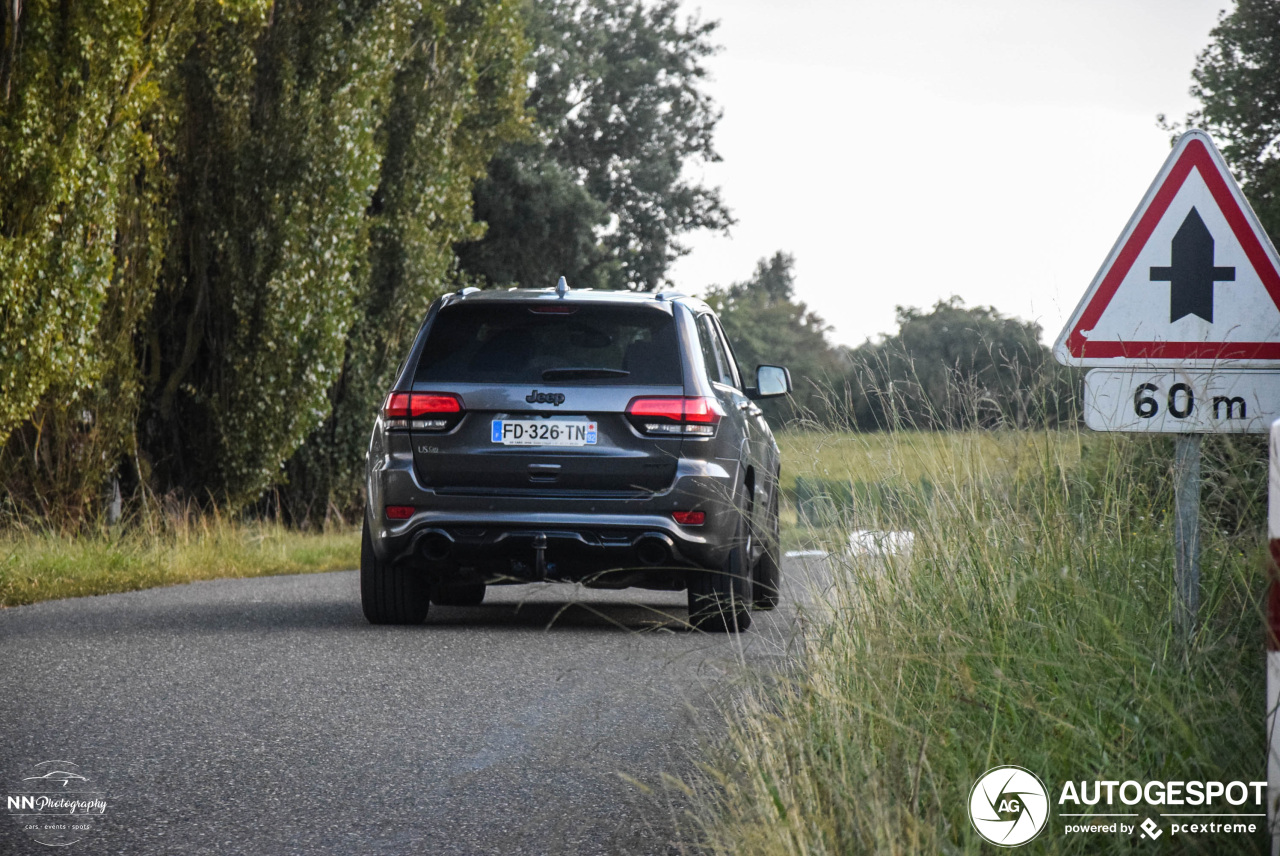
(540, 556)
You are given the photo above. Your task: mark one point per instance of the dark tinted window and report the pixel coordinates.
(480, 343)
(726, 351)
(713, 353)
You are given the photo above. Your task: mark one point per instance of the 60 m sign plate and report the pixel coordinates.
(1181, 402)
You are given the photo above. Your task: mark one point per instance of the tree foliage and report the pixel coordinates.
(218, 216)
(1237, 80)
(82, 223)
(950, 367)
(768, 326)
(276, 168)
(75, 83)
(541, 224)
(457, 95)
(600, 194)
(956, 367)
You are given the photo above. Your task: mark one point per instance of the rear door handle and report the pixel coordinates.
(544, 473)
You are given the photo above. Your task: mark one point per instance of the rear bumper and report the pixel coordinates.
(532, 545)
(579, 535)
(508, 551)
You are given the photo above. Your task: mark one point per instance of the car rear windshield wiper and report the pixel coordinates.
(582, 374)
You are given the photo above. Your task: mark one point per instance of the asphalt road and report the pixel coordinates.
(265, 716)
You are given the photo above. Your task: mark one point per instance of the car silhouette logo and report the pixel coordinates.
(58, 776)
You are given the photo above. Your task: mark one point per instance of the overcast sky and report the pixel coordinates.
(908, 150)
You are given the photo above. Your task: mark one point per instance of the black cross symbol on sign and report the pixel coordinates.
(1191, 273)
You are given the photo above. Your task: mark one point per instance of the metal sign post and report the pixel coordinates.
(1186, 530)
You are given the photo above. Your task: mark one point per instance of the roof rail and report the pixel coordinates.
(470, 289)
(669, 295)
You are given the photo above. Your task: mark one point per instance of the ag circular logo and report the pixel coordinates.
(1009, 805)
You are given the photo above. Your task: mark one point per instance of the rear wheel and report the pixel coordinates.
(464, 595)
(390, 593)
(768, 571)
(718, 599)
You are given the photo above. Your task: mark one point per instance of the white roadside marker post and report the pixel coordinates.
(1273, 639)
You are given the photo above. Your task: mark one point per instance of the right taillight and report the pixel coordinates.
(682, 415)
(422, 411)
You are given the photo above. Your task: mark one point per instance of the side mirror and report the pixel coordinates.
(772, 381)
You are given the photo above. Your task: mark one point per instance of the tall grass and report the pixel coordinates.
(1030, 624)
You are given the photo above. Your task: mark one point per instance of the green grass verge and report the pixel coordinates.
(1030, 625)
(906, 464)
(45, 566)
(909, 456)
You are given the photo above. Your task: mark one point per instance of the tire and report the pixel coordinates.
(718, 599)
(767, 579)
(390, 593)
(464, 595)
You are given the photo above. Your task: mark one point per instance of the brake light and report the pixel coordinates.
(406, 409)
(400, 512)
(689, 518)
(690, 416)
(434, 402)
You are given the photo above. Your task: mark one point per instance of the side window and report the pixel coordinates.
(718, 365)
(727, 350)
(708, 352)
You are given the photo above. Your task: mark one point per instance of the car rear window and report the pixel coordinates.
(546, 343)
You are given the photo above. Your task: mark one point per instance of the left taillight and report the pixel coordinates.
(422, 411)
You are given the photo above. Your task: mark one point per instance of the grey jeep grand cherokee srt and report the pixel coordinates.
(600, 437)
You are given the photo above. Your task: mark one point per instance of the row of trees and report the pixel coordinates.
(216, 216)
(949, 367)
(220, 220)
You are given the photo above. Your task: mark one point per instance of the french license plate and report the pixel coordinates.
(544, 432)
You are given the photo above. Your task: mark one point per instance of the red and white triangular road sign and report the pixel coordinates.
(1193, 280)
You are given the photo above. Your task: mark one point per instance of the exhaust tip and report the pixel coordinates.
(436, 547)
(652, 550)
